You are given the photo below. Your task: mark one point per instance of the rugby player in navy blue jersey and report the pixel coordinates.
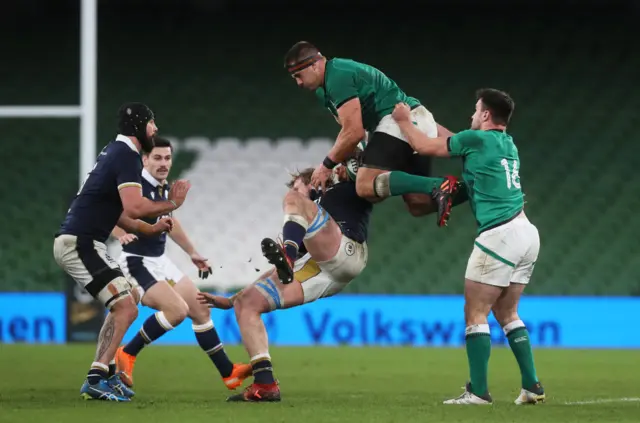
(324, 249)
(162, 285)
(111, 194)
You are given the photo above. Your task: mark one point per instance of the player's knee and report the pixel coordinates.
(504, 316)
(476, 313)
(293, 201)
(364, 188)
(125, 311)
(249, 301)
(199, 314)
(176, 311)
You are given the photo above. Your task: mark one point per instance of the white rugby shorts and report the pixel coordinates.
(89, 264)
(321, 279)
(506, 254)
(420, 115)
(147, 271)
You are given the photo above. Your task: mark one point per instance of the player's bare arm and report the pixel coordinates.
(125, 223)
(418, 140)
(352, 132)
(135, 205)
(180, 237)
(122, 235)
(226, 303)
(215, 301)
(444, 132)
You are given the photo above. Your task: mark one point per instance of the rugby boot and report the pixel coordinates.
(239, 373)
(124, 365)
(258, 393)
(274, 253)
(533, 395)
(119, 387)
(443, 196)
(469, 398)
(102, 391)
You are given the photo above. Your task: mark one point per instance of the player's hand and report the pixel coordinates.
(214, 301)
(179, 190)
(401, 113)
(127, 239)
(341, 173)
(320, 177)
(204, 270)
(163, 225)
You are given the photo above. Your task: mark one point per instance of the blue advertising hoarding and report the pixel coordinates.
(361, 320)
(384, 320)
(32, 318)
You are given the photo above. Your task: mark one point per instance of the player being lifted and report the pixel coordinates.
(111, 195)
(361, 98)
(162, 285)
(506, 247)
(324, 249)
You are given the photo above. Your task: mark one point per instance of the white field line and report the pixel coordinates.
(603, 401)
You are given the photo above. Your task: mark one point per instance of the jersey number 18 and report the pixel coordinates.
(513, 177)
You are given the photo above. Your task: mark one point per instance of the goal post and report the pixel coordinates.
(86, 110)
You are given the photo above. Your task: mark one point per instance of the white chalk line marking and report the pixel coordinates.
(603, 401)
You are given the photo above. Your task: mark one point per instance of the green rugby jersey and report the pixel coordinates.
(346, 79)
(490, 169)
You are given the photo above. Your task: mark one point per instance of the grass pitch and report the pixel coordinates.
(321, 385)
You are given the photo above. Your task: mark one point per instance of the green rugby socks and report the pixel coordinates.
(478, 345)
(404, 183)
(520, 344)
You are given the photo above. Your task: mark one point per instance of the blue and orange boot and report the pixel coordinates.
(239, 373)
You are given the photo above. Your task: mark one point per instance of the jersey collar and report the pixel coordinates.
(126, 140)
(153, 181)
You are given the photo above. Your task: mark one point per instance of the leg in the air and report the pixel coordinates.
(303, 220)
(506, 313)
(172, 310)
(207, 336)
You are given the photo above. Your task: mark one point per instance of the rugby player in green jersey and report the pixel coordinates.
(361, 98)
(507, 244)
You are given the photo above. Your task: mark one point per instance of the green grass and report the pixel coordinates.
(319, 385)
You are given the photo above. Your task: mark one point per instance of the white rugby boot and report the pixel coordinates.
(468, 398)
(531, 396)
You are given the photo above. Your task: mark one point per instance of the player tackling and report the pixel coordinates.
(506, 247)
(324, 249)
(361, 98)
(162, 285)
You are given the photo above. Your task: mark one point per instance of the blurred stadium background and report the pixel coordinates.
(212, 72)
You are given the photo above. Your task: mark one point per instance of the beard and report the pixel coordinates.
(147, 143)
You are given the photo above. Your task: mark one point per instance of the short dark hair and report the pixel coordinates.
(300, 51)
(162, 142)
(499, 103)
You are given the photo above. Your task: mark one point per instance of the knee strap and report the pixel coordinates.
(321, 219)
(269, 289)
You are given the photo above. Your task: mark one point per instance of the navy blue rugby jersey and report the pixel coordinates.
(150, 246)
(97, 206)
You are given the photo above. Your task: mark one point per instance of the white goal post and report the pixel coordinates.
(86, 110)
